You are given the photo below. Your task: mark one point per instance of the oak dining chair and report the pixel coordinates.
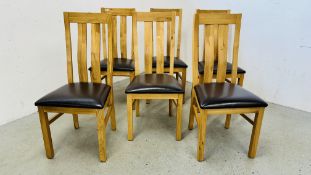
(123, 64)
(240, 72)
(154, 85)
(82, 96)
(180, 67)
(220, 97)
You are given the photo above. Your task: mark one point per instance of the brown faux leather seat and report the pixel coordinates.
(228, 70)
(178, 63)
(154, 83)
(119, 64)
(77, 95)
(226, 95)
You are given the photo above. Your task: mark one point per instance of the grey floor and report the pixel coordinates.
(284, 146)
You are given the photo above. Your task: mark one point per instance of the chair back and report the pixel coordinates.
(212, 22)
(215, 29)
(121, 15)
(96, 21)
(149, 19)
(179, 28)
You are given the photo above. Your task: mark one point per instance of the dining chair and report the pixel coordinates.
(123, 65)
(220, 97)
(82, 97)
(241, 71)
(157, 85)
(180, 67)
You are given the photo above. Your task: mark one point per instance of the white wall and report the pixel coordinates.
(275, 47)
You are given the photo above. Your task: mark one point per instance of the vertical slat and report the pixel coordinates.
(148, 46)
(95, 53)
(160, 47)
(222, 52)
(68, 49)
(123, 35)
(168, 42)
(104, 42)
(195, 50)
(115, 37)
(179, 32)
(236, 49)
(82, 65)
(215, 31)
(110, 54)
(172, 44)
(134, 43)
(209, 53)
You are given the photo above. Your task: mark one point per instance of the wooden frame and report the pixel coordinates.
(159, 18)
(82, 19)
(240, 76)
(220, 21)
(123, 13)
(181, 73)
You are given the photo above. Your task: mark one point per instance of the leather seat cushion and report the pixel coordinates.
(178, 63)
(154, 83)
(226, 95)
(119, 64)
(77, 95)
(228, 71)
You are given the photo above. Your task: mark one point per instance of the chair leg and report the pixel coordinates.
(137, 108)
(191, 114)
(129, 118)
(183, 82)
(113, 114)
(75, 121)
(241, 80)
(202, 136)
(46, 133)
(101, 133)
(228, 119)
(179, 117)
(255, 133)
(170, 106)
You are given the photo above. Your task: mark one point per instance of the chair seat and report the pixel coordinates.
(228, 71)
(178, 63)
(119, 64)
(226, 95)
(154, 83)
(77, 95)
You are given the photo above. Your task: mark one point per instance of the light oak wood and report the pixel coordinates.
(221, 22)
(96, 20)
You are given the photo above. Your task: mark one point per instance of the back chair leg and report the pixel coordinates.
(129, 118)
(179, 117)
(101, 132)
(75, 121)
(228, 119)
(113, 114)
(255, 133)
(170, 108)
(46, 133)
(191, 115)
(137, 108)
(202, 136)
(183, 82)
(147, 101)
(241, 80)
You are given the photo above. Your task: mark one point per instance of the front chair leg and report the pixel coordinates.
(179, 117)
(46, 133)
(75, 121)
(129, 118)
(227, 123)
(101, 133)
(255, 134)
(202, 135)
